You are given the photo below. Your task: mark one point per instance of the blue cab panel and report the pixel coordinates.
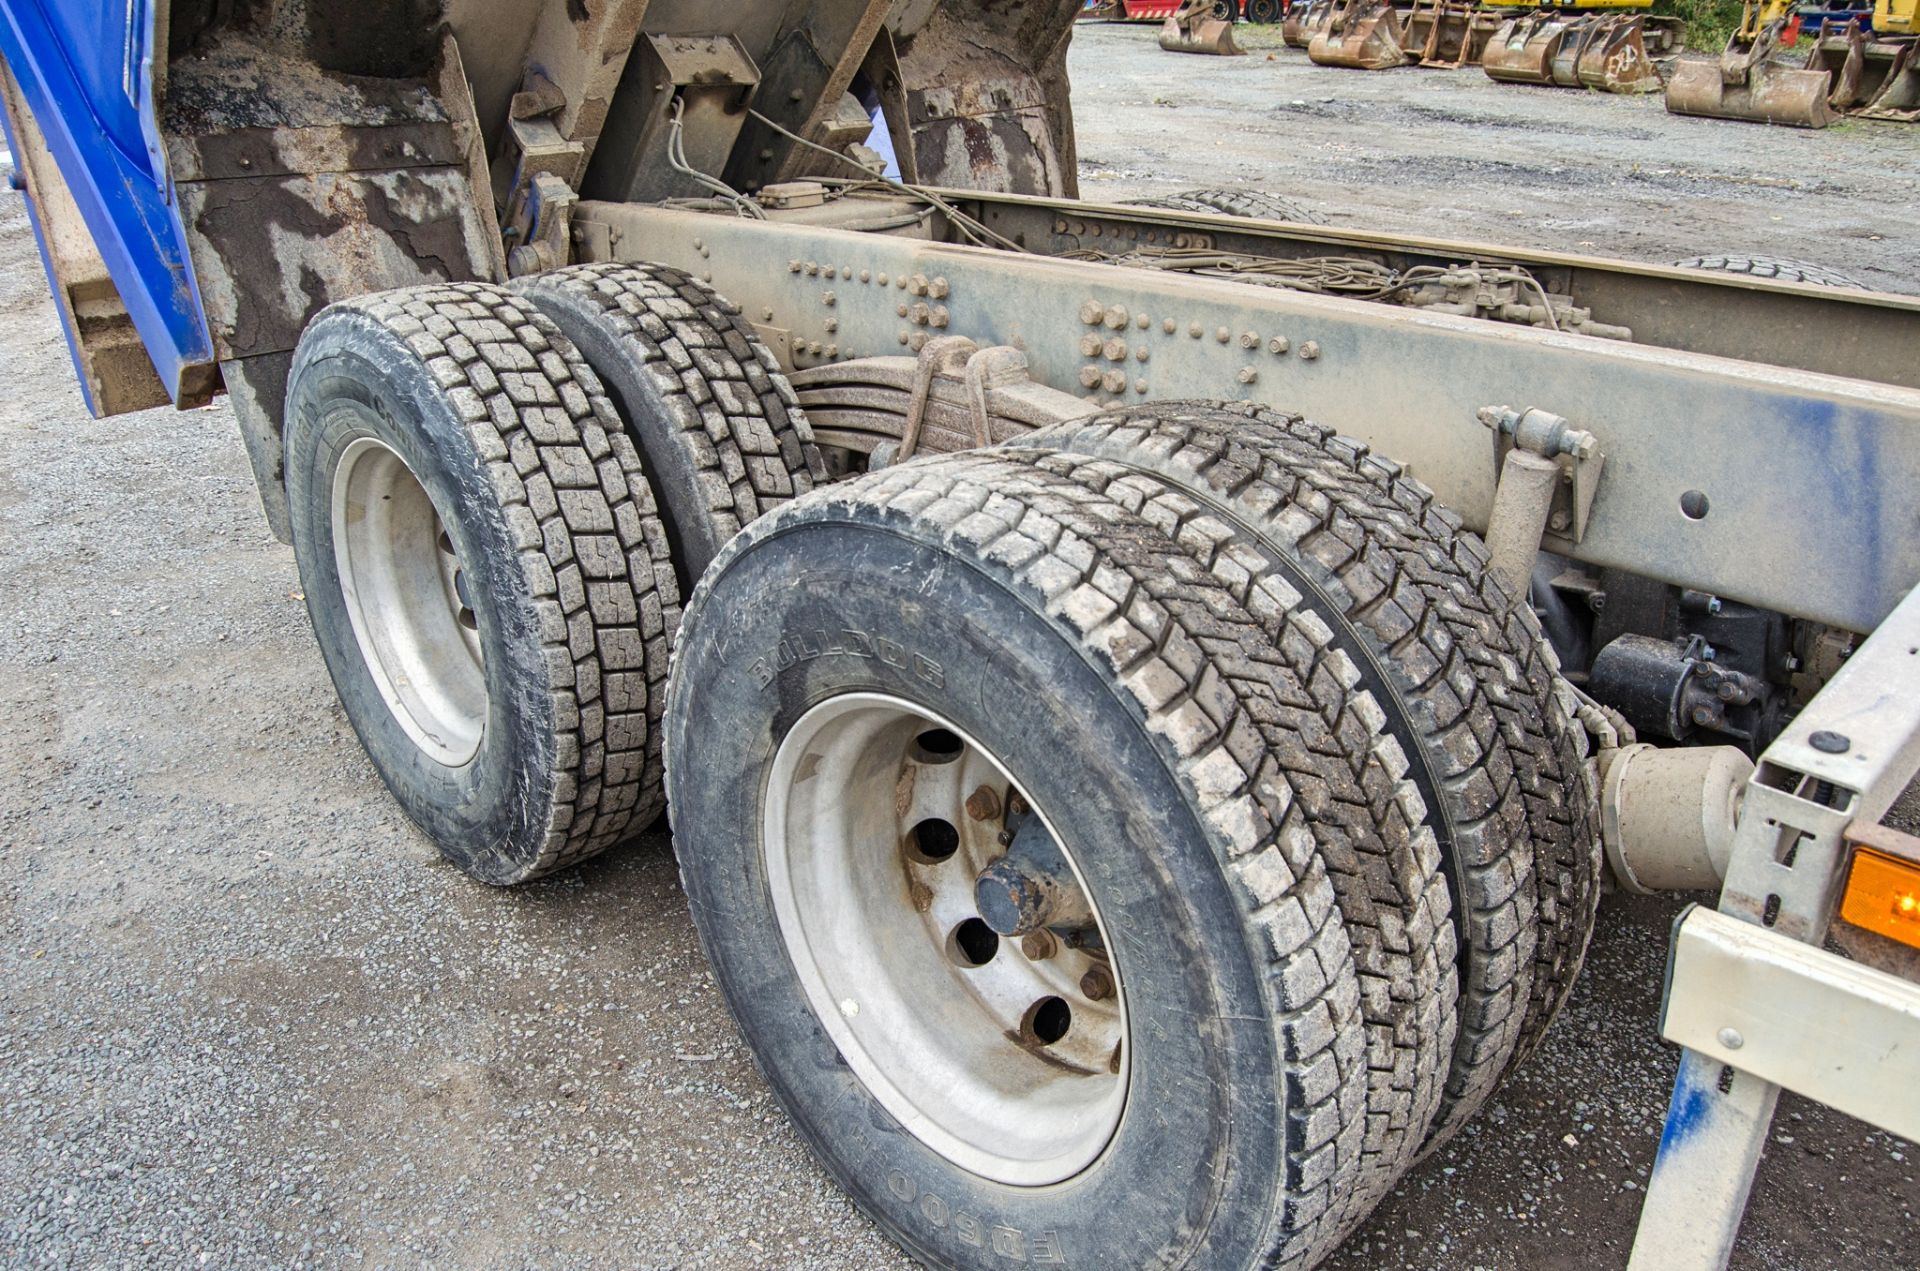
(85, 70)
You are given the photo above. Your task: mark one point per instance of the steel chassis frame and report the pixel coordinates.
(1835, 542)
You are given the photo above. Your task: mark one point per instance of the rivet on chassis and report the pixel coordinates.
(1143, 322)
(1143, 353)
(1140, 386)
(1092, 313)
(1223, 335)
(793, 266)
(1090, 377)
(917, 285)
(1116, 350)
(1115, 382)
(1194, 330)
(828, 299)
(813, 267)
(833, 324)
(1116, 317)
(1090, 345)
(983, 804)
(866, 275)
(1097, 983)
(939, 288)
(1060, 226)
(1168, 326)
(940, 316)
(882, 280)
(1310, 350)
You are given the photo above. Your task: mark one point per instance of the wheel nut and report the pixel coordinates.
(983, 804)
(1097, 984)
(1039, 945)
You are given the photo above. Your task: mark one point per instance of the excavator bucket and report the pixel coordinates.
(1874, 77)
(1899, 98)
(1524, 49)
(1194, 29)
(1613, 57)
(1304, 20)
(1448, 34)
(1364, 35)
(1752, 83)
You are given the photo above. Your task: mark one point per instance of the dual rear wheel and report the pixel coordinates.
(1134, 845)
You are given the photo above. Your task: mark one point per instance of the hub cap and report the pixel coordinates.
(1006, 1055)
(408, 599)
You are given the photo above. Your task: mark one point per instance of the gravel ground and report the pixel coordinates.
(250, 1020)
(1451, 154)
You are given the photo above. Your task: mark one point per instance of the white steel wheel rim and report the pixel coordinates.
(408, 602)
(953, 1051)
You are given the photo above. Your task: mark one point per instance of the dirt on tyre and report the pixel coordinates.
(1251, 204)
(1778, 269)
(872, 683)
(1469, 683)
(721, 432)
(486, 573)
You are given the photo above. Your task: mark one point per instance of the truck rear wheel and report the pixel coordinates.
(1467, 680)
(886, 692)
(1252, 204)
(722, 434)
(1779, 269)
(485, 572)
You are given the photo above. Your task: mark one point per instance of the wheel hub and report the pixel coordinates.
(409, 601)
(945, 939)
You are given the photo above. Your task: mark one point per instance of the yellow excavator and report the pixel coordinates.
(1777, 71)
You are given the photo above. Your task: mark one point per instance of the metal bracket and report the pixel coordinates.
(1841, 763)
(1550, 436)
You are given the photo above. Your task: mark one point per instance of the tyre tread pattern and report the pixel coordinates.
(1368, 816)
(1779, 268)
(738, 421)
(1256, 205)
(591, 544)
(1479, 683)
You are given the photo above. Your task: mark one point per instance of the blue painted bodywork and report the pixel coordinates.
(85, 69)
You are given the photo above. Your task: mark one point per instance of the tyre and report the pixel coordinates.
(1468, 683)
(1251, 204)
(722, 434)
(1226, 10)
(1266, 12)
(879, 691)
(1768, 267)
(485, 570)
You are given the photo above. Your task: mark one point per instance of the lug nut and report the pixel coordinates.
(1039, 945)
(983, 804)
(1097, 984)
